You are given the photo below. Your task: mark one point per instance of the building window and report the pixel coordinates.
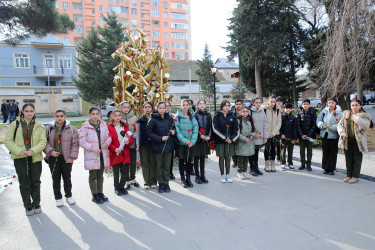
(93, 1)
(165, 25)
(124, 10)
(179, 35)
(165, 4)
(134, 23)
(165, 14)
(77, 7)
(155, 33)
(142, 26)
(123, 22)
(155, 13)
(166, 35)
(141, 5)
(155, 2)
(134, 11)
(77, 18)
(101, 7)
(112, 1)
(22, 84)
(166, 55)
(123, 1)
(93, 11)
(93, 22)
(101, 19)
(179, 6)
(183, 26)
(134, 2)
(78, 29)
(155, 24)
(179, 45)
(180, 55)
(135, 32)
(178, 15)
(142, 15)
(66, 84)
(65, 5)
(155, 44)
(166, 45)
(22, 60)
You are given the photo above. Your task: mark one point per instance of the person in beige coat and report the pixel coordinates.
(273, 113)
(352, 131)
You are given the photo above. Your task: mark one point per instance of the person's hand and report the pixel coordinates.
(118, 151)
(187, 142)
(134, 136)
(329, 127)
(264, 141)
(257, 136)
(203, 137)
(207, 138)
(304, 137)
(149, 139)
(69, 161)
(95, 150)
(283, 137)
(271, 136)
(190, 145)
(164, 138)
(344, 136)
(172, 132)
(247, 140)
(136, 149)
(29, 153)
(23, 153)
(324, 127)
(55, 154)
(127, 142)
(105, 145)
(229, 141)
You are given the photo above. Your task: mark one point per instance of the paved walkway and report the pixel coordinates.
(282, 210)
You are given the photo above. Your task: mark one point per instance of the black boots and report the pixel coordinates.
(104, 198)
(198, 180)
(161, 188)
(188, 182)
(302, 167)
(203, 179)
(97, 199)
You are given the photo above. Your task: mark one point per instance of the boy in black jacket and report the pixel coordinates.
(288, 133)
(306, 121)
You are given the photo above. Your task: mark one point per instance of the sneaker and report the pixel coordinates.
(124, 191)
(118, 192)
(147, 187)
(234, 165)
(204, 180)
(302, 167)
(229, 180)
(247, 175)
(59, 203)
(153, 186)
(331, 173)
(325, 172)
(70, 201)
(223, 180)
(97, 199)
(135, 183)
(308, 168)
(161, 188)
(240, 176)
(291, 167)
(172, 177)
(104, 198)
(37, 209)
(283, 167)
(167, 189)
(29, 211)
(128, 185)
(253, 173)
(198, 180)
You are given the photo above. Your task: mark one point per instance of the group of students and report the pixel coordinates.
(159, 136)
(9, 109)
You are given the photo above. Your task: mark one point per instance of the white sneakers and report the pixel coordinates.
(59, 203)
(241, 176)
(283, 167)
(223, 180)
(70, 201)
(153, 186)
(247, 175)
(229, 180)
(291, 167)
(226, 178)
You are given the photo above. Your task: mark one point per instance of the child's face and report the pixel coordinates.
(161, 109)
(60, 117)
(245, 112)
(356, 107)
(238, 105)
(287, 110)
(226, 107)
(125, 108)
(280, 103)
(28, 112)
(94, 116)
(185, 106)
(147, 109)
(331, 104)
(201, 105)
(167, 107)
(306, 106)
(117, 116)
(257, 103)
(272, 103)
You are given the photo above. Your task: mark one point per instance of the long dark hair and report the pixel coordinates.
(360, 103)
(249, 118)
(25, 106)
(189, 114)
(334, 100)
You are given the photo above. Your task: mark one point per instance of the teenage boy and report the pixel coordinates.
(306, 121)
(288, 133)
(237, 112)
(5, 111)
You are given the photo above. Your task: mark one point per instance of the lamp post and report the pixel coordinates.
(213, 70)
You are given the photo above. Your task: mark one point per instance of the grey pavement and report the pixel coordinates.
(282, 210)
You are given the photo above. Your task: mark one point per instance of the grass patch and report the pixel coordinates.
(78, 124)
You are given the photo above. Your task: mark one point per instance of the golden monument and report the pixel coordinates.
(136, 60)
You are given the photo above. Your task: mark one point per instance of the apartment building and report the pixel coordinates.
(166, 22)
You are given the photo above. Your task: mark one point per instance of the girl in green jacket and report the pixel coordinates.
(26, 140)
(187, 135)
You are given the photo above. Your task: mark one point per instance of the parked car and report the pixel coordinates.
(367, 99)
(107, 109)
(246, 103)
(314, 102)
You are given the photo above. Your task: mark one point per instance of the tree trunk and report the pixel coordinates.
(293, 71)
(258, 84)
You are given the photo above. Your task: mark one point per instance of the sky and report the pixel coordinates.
(209, 21)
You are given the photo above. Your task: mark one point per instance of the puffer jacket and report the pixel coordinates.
(204, 120)
(361, 124)
(221, 130)
(306, 122)
(131, 120)
(38, 141)
(69, 141)
(157, 127)
(260, 123)
(88, 138)
(289, 127)
(143, 138)
(273, 118)
(183, 125)
(125, 155)
(244, 148)
(322, 120)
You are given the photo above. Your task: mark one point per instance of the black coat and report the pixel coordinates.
(158, 127)
(12, 108)
(204, 120)
(289, 126)
(4, 109)
(220, 129)
(143, 138)
(306, 122)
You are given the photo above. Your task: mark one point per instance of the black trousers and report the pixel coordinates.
(188, 167)
(5, 118)
(119, 171)
(270, 150)
(278, 151)
(330, 149)
(201, 161)
(253, 159)
(59, 168)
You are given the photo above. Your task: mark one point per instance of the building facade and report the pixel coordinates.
(40, 70)
(166, 22)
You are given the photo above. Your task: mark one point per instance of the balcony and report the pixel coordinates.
(45, 72)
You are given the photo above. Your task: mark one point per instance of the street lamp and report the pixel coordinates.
(213, 70)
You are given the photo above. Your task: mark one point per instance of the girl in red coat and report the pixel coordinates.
(120, 159)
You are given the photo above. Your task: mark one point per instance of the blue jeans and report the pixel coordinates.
(12, 116)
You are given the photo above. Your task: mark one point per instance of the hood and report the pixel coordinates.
(202, 112)
(87, 124)
(143, 118)
(338, 108)
(254, 109)
(53, 123)
(221, 113)
(123, 123)
(266, 106)
(156, 115)
(179, 113)
(128, 115)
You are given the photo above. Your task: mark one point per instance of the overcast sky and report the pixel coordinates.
(209, 25)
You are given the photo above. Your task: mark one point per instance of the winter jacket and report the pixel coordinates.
(204, 120)
(361, 124)
(4, 109)
(244, 148)
(12, 108)
(157, 127)
(143, 138)
(289, 127)
(69, 141)
(183, 125)
(38, 140)
(88, 138)
(260, 123)
(273, 118)
(131, 120)
(221, 130)
(125, 155)
(334, 120)
(306, 122)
